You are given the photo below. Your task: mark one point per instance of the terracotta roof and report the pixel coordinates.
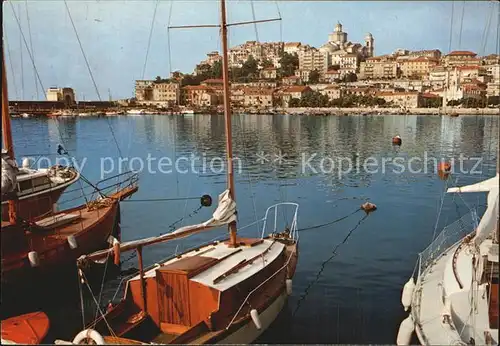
(255, 91)
(468, 68)
(291, 77)
(332, 87)
(421, 59)
(198, 87)
(430, 95)
(292, 44)
(213, 81)
(269, 68)
(387, 93)
(462, 53)
(297, 88)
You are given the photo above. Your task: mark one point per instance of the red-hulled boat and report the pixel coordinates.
(27, 329)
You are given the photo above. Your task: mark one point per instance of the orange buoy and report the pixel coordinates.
(396, 140)
(368, 207)
(443, 175)
(444, 167)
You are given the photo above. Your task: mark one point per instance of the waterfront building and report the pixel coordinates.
(200, 96)
(260, 98)
(284, 96)
(407, 99)
(292, 47)
(427, 53)
(384, 66)
(416, 67)
(167, 93)
(313, 59)
(268, 73)
(460, 58)
(66, 95)
(333, 92)
(331, 75)
(291, 80)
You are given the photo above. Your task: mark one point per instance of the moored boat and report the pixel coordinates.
(243, 283)
(26, 329)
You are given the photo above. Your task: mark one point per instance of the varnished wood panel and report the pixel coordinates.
(493, 306)
(173, 297)
(203, 301)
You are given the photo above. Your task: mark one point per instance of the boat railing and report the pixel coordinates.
(451, 235)
(448, 237)
(104, 187)
(275, 209)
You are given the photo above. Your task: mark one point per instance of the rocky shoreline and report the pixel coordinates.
(388, 111)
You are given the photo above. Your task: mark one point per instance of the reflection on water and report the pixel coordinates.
(356, 298)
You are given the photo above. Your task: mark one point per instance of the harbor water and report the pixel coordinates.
(348, 283)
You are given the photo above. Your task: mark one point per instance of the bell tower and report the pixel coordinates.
(369, 40)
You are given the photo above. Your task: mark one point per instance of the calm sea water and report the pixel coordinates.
(352, 297)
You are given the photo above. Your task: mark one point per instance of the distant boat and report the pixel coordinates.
(136, 112)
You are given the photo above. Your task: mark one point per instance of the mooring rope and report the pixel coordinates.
(323, 265)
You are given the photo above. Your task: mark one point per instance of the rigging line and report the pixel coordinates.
(91, 75)
(331, 222)
(160, 199)
(482, 48)
(254, 24)
(168, 40)
(21, 51)
(323, 266)
(281, 21)
(149, 39)
(10, 63)
(250, 185)
(451, 24)
(31, 45)
(29, 52)
(461, 25)
(83, 52)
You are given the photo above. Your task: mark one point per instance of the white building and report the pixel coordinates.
(61, 94)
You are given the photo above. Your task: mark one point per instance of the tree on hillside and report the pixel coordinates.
(289, 63)
(216, 70)
(250, 67)
(314, 77)
(266, 63)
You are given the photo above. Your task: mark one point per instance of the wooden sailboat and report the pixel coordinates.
(221, 292)
(49, 242)
(34, 191)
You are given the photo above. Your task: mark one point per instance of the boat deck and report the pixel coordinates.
(428, 305)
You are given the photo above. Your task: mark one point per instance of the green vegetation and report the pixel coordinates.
(289, 63)
(314, 77)
(348, 78)
(469, 103)
(434, 102)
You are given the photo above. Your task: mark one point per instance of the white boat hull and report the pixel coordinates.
(249, 333)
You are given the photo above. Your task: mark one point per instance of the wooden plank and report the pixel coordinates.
(493, 306)
(57, 220)
(173, 297)
(203, 301)
(170, 328)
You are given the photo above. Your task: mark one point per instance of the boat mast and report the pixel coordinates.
(227, 115)
(7, 133)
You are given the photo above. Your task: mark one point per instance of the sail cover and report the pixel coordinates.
(489, 221)
(9, 173)
(223, 215)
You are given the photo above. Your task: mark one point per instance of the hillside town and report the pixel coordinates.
(340, 73)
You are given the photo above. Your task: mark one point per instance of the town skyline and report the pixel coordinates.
(116, 50)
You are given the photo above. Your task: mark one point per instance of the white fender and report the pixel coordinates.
(288, 286)
(72, 242)
(255, 318)
(33, 258)
(405, 331)
(26, 162)
(407, 293)
(89, 334)
(446, 312)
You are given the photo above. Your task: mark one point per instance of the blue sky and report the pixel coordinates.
(115, 35)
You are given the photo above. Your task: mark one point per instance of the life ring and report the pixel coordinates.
(89, 334)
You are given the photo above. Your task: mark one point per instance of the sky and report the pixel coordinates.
(114, 35)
